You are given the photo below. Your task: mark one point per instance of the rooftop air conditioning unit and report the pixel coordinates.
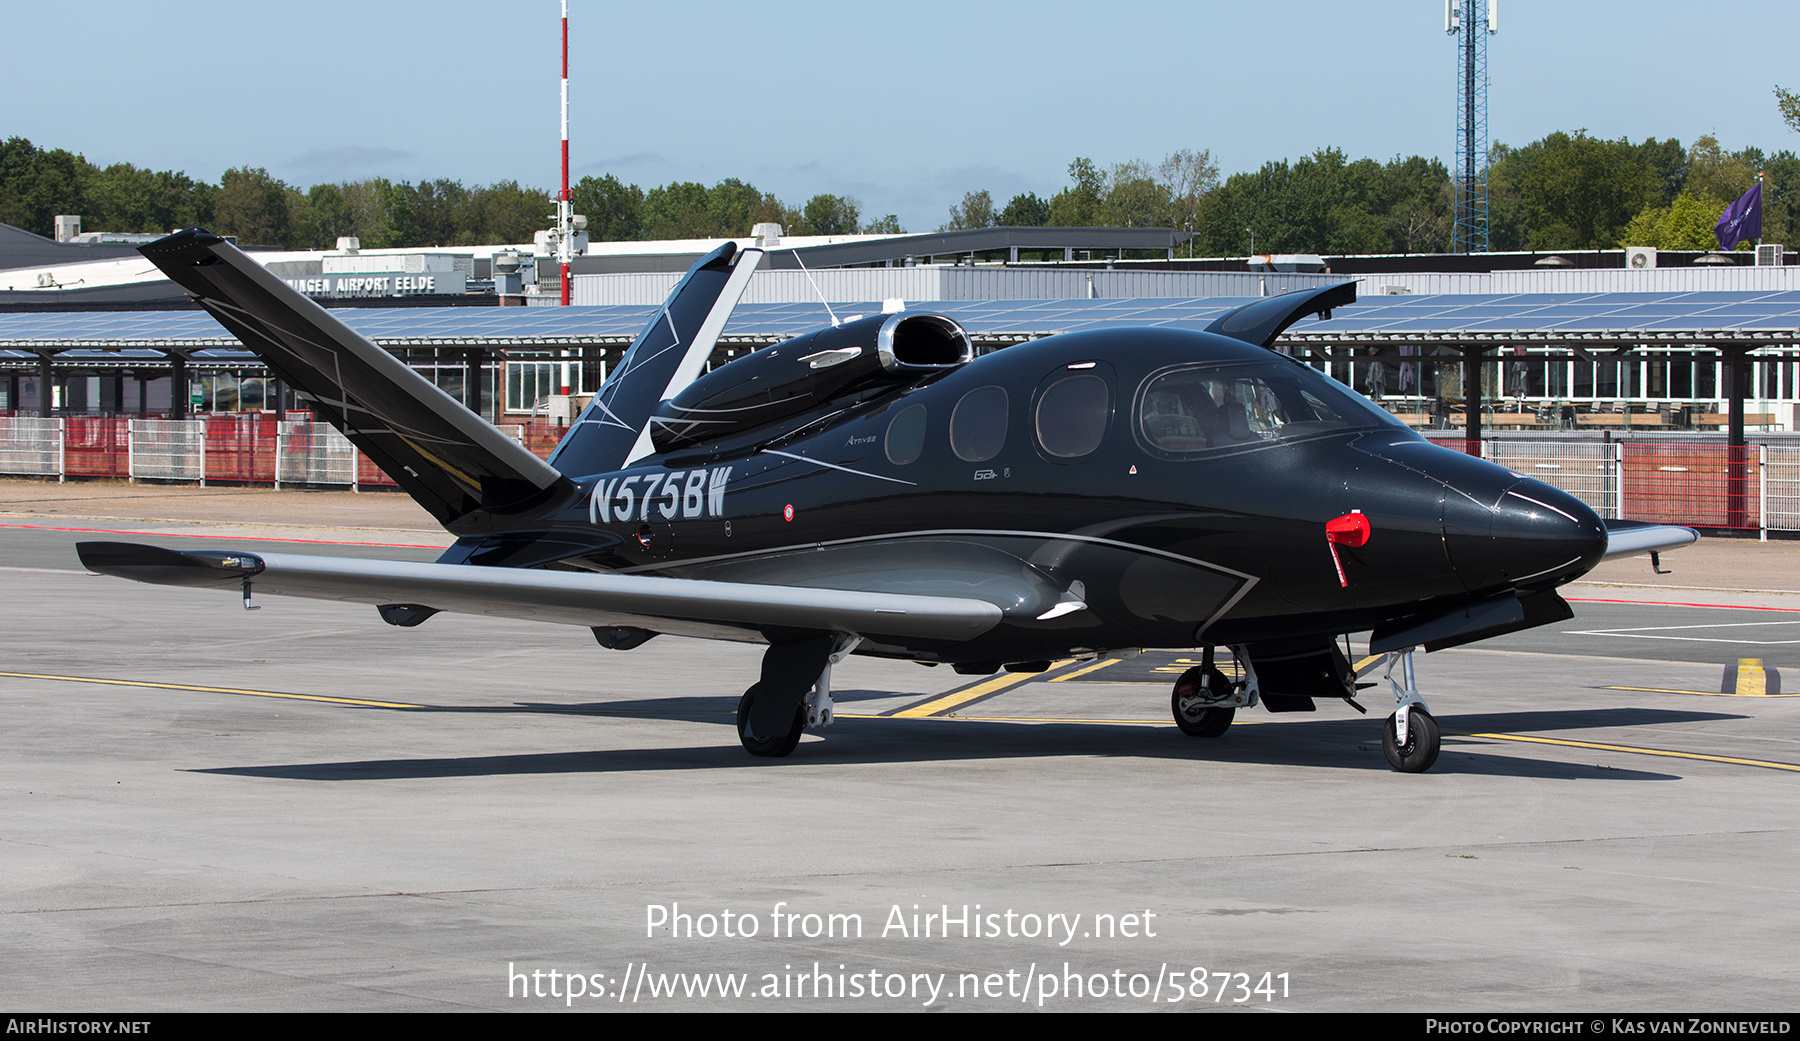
(1769, 255)
(1637, 258)
(1392, 291)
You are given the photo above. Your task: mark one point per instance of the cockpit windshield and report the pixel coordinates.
(1242, 405)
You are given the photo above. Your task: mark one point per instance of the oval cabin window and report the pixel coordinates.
(1072, 415)
(906, 435)
(978, 426)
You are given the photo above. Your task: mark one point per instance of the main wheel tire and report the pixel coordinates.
(1197, 721)
(771, 747)
(1422, 743)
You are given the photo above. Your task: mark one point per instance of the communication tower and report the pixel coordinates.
(1471, 22)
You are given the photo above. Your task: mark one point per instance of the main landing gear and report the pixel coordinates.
(1410, 740)
(773, 747)
(1204, 701)
(794, 693)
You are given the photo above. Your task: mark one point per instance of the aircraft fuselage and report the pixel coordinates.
(1155, 488)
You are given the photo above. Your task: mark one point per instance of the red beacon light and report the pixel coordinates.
(1353, 530)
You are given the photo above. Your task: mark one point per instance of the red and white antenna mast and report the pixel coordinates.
(565, 203)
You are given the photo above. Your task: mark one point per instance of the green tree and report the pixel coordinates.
(36, 185)
(1781, 198)
(975, 211)
(734, 207)
(1789, 104)
(1715, 173)
(832, 215)
(1685, 224)
(1078, 206)
(888, 225)
(1024, 211)
(124, 197)
(1134, 198)
(253, 206)
(504, 212)
(614, 209)
(362, 209)
(1572, 191)
(1321, 203)
(438, 213)
(1190, 176)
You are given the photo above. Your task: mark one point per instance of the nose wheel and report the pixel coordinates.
(1420, 748)
(1411, 739)
(1189, 702)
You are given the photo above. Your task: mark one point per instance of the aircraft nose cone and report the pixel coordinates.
(1520, 532)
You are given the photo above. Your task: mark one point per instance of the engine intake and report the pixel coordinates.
(795, 376)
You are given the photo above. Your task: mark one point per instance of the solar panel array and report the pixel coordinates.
(22, 334)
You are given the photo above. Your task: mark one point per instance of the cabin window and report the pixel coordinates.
(1072, 415)
(978, 426)
(906, 435)
(1239, 406)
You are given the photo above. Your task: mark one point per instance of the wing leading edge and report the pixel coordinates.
(680, 606)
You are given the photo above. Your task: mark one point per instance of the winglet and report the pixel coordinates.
(1261, 321)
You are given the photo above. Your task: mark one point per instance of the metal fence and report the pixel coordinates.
(1696, 480)
(213, 448)
(1588, 470)
(31, 446)
(1702, 483)
(167, 449)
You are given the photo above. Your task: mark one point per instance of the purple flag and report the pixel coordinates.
(1741, 220)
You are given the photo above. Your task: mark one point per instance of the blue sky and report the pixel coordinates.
(902, 106)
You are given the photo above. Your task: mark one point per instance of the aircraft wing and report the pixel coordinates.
(692, 607)
(1629, 538)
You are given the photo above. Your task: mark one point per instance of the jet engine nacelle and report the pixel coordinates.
(791, 378)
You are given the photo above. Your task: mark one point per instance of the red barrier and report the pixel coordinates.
(1709, 486)
(542, 438)
(368, 474)
(240, 450)
(96, 447)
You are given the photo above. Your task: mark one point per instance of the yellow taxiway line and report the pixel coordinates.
(1634, 750)
(937, 706)
(968, 694)
(1752, 681)
(210, 690)
(1701, 693)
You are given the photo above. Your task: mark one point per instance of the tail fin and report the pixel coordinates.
(449, 459)
(667, 356)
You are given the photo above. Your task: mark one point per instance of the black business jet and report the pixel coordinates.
(874, 488)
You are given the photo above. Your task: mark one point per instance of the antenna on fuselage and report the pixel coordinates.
(816, 289)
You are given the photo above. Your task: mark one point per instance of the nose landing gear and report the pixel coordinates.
(1410, 740)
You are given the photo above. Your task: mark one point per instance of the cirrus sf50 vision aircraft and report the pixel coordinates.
(874, 488)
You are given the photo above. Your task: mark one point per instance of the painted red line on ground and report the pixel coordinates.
(259, 538)
(1675, 603)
